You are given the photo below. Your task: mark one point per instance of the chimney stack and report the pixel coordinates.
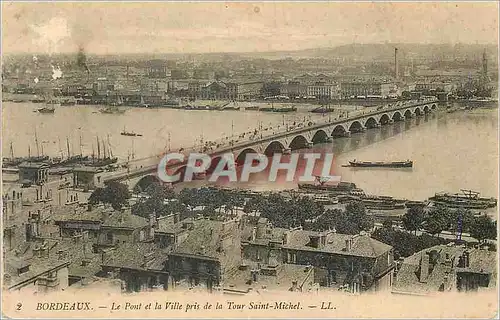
(348, 244)
(285, 237)
(396, 64)
(424, 268)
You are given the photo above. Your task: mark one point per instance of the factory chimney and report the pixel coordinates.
(396, 64)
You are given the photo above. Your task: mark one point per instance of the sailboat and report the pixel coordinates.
(73, 159)
(12, 161)
(106, 159)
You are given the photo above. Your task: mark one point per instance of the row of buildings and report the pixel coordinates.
(156, 83)
(53, 240)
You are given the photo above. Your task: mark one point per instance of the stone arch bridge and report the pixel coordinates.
(284, 141)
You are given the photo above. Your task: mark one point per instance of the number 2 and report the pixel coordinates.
(18, 306)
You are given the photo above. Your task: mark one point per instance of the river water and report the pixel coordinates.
(451, 151)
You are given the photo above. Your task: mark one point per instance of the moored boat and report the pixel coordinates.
(341, 187)
(468, 198)
(381, 164)
(46, 110)
(130, 134)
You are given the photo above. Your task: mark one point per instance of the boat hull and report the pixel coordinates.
(401, 164)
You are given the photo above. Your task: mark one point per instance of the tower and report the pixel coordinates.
(396, 64)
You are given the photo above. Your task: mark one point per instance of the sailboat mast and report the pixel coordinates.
(29, 151)
(81, 152)
(109, 148)
(104, 149)
(60, 149)
(67, 146)
(11, 151)
(98, 149)
(37, 146)
(133, 155)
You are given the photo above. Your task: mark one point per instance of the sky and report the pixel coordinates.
(180, 27)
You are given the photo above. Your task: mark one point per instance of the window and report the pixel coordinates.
(109, 237)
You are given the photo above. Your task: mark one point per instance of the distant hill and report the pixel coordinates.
(385, 51)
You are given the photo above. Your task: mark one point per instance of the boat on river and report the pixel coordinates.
(46, 109)
(381, 164)
(130, 134)
(282, 109)
(322, 110)
(321, 185)
(68, 102)
(112, 110)
(468, 199)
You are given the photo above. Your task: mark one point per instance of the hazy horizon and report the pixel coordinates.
(236, 27)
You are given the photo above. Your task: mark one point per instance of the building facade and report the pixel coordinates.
(351, 89)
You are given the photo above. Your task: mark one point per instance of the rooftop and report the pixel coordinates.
(205, 238)
(141, 256)
(269, 277)
(107, 216)
(22, 268)
(408, 277)
(361, 245)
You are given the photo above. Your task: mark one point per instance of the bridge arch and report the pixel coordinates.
(396, 116)
(240, 159)
(384, 119)
(145, 182)
(299, 142)
(407, 113)
(426, 109)
(339, 131)
(273, 148)
(356, 126)
(371, 122)
(433, 106)
(320, 137)
(417, 111)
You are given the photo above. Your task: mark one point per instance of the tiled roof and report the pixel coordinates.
(107, 216)
(168, 226)
(408, 278)
(285, 275)
(78, 252)
(124, 220)
(37, 266)
(142, 256)
(204, 239)
(362, 245)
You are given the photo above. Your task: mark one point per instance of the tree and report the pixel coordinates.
(115, 193)
(438, 221)
(388, 223)
(353, 219)
(483, 227)
(413, 218)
